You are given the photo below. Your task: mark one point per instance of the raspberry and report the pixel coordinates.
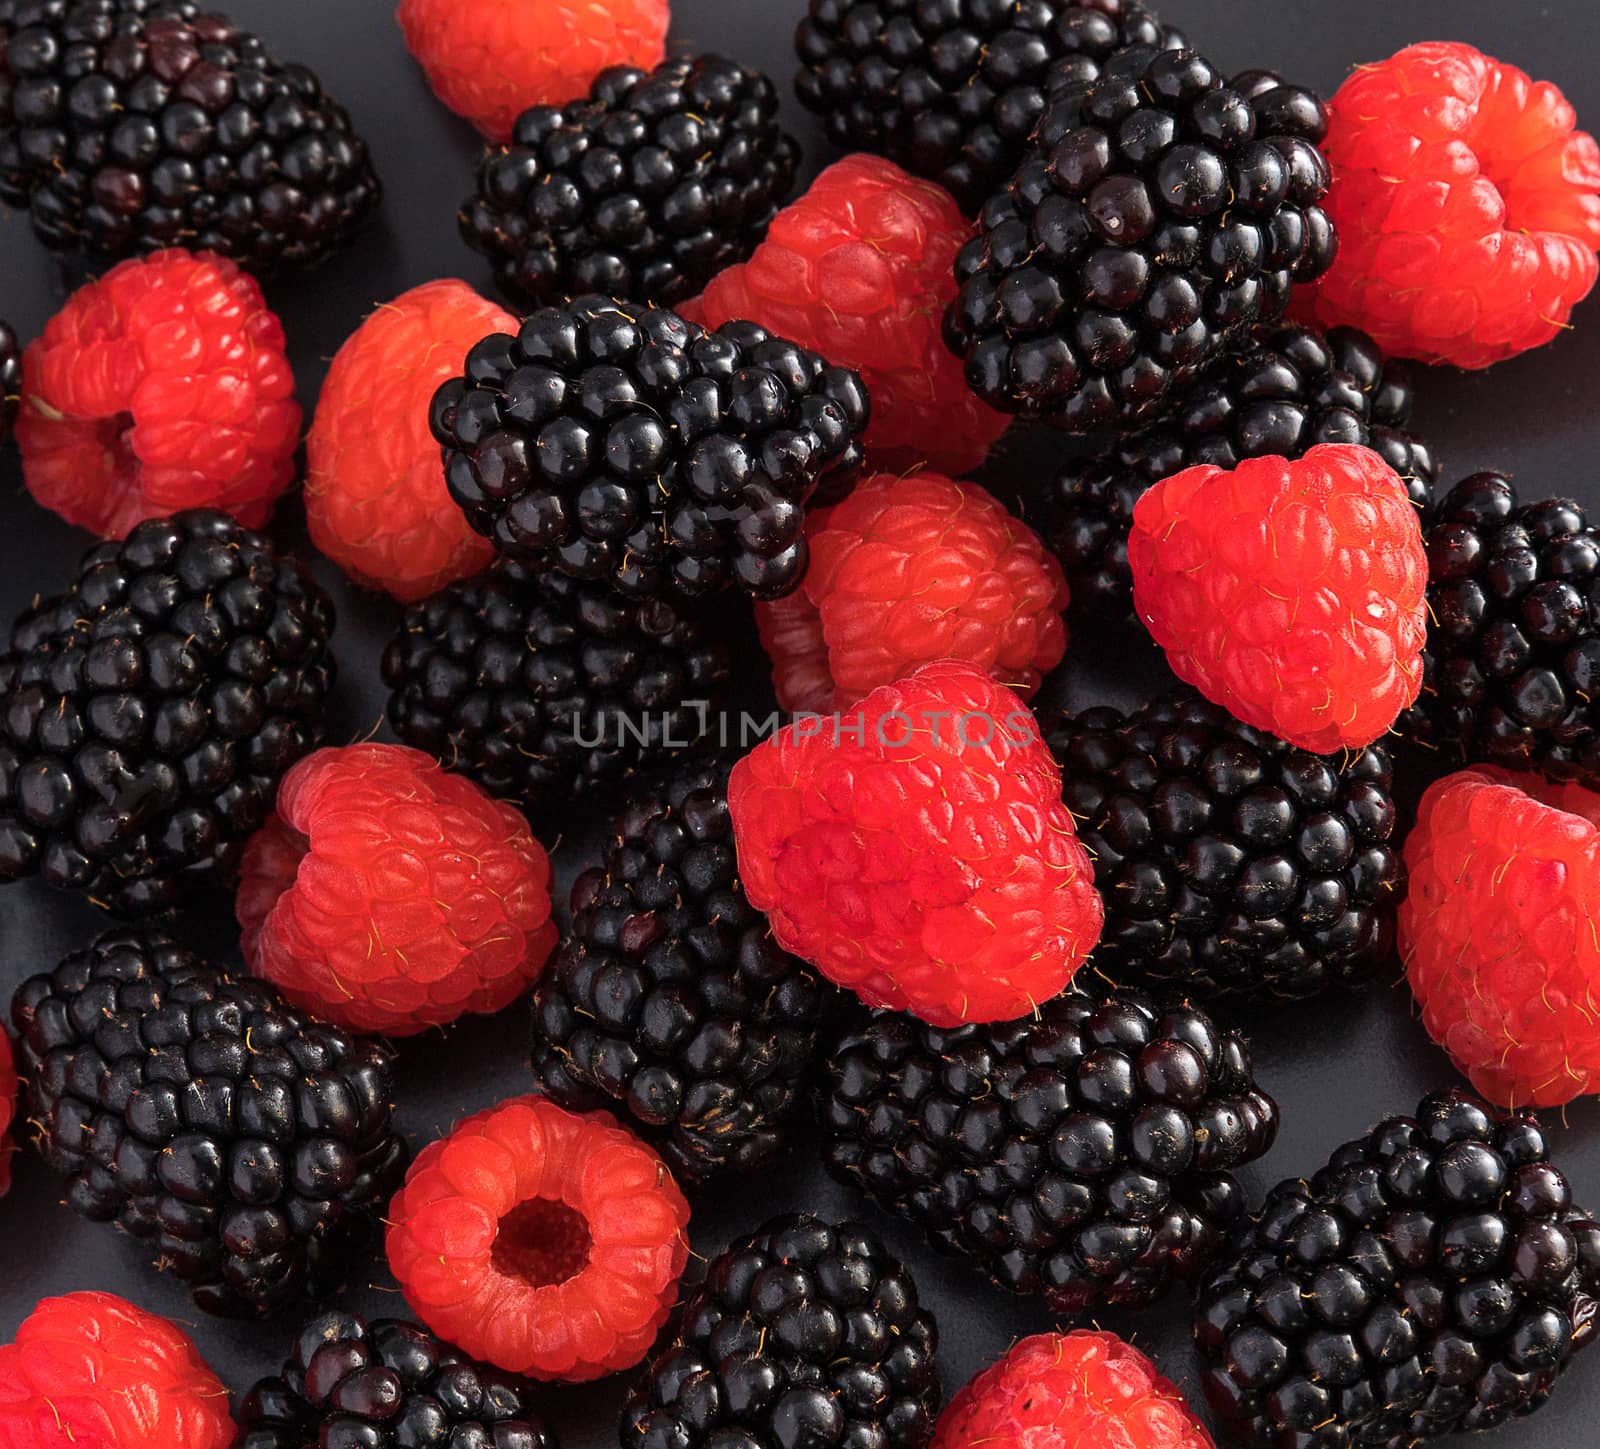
(160, 387)
(92, 1371)
(1467, 207)
(489, 60)
(1290, 593)
(390, 896)
(1081, 1388)
(791, 633)
(917, 850)
(1496, 932)
(861, 269)
(8, 1111)
(548, 1243)
(376, 503)
(911, 569)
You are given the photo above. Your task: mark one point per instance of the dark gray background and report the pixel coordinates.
(1335, 1066)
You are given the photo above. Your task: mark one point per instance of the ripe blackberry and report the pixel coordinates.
(252, 1145)
(1512, 666)
(952, 89)
(1230, 862)
(1159, 214)
(611, 440)
(1080, 1153)
(152, 708)
(350, 1384)
(10, 380)
(646, 189)
(804, 1333)
(131, 125)
(668, 998)
(1434, 1277)
(540, 686)
(1287, 390)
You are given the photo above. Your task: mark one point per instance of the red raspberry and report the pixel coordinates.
(861, 269)
(389, 895)
(489, 60)
(92, 1371)
(1497, 932)
(160, 387)
(1080, 1390)
(376, 500)
(8, 1111)
(917, 850)
(911, 569)
(549, 1243)
(1290, 593)
(1467, 207)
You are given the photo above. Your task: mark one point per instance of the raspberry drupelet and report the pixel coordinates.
(388, 895)
(1467, 205)
(546, 1242)
(162, 386)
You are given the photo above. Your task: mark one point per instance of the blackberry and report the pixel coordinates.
(646, 189)
(668, 997)
(611, 440)
(1231, 863)
(1081, 1153)
(1159, 214)
(251, 1144)
(952, 89)
(1512, 665)
(131, 125)
(350, 1384)
(541, 687)
(805, 1333)
(1433, 1278)
(152, 708)
(10, 380)
(1287, 390)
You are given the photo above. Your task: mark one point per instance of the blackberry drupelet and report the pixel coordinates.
(1289, 389)
(388, 1384)
(152, 708)
(952, 89)
(1433, 1278)
(646, 189)
(10, 380)
(668, 999)
(1081, 1153)
(541, 687)
(1159, 214)
(608, 440)
(804, 1334)
(1512, 665)
(131, 125)
(1231, 863)
(250, 1144)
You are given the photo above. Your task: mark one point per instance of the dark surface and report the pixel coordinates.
(1335, 1066)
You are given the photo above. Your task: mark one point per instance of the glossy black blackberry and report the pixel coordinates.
(646, 189)
(805, 1335)
(1159, 214)
(1435, 1277)
(1512, 665)
(350, 1384)
(1081, 1153)
(1229, 862)
(952, 89)
(150, 710)
(668, 998)
(1286, 391)
(541, 687)
(249, 1144)
(10, 380)
(131, 125)
(609, 440)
